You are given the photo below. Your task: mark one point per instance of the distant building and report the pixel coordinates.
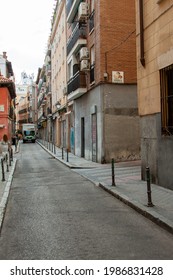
(6, 67)
(26, 100)
(7, 114)
(7, 96)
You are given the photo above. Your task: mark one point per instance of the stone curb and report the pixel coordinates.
(5, 196)
(144, 210)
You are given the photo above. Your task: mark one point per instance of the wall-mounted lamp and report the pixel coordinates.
(58, 105)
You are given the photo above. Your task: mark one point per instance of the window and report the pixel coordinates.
(91, 17)
(166, 85)
(70, 72)
(92, 64)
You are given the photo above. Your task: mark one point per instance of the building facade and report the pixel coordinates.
(101, 80)
(58, 74)
(7, 96)
(7, 115)
(155, 87)
(26, 104)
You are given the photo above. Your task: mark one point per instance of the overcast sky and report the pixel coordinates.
(24, 30)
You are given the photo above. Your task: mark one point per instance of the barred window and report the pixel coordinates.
(166, 85)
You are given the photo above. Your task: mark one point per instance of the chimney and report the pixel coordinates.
(5, 55)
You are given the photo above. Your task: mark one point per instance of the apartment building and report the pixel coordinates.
(7, 115)
(6, 67)
(58, 75)
(7, 97)
(26, 111)
(101, 80)
(155, 87)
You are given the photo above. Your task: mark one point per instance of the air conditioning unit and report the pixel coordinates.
(82, 11)
(84, 53)
(84, 65)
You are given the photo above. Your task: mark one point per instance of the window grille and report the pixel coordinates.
(166, 87)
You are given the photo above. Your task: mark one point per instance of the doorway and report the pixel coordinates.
(82, 137)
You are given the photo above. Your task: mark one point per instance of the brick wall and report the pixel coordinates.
(115, 47)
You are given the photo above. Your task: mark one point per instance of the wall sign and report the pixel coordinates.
(118, 77)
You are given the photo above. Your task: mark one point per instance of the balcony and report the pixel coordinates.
(77, 39)
(42, 101)
(48, 69)
(11, 112)
(49, 112)
(42, 118)
(23, 111)
(76, 86)
(48, 90)
(71, 8)
(23, 121)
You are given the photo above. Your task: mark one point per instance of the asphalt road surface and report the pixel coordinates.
(55, 213)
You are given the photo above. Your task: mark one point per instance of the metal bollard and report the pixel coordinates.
(9, 156)
(67, 155)
(16, 142)
(113, 173)
(6, 159)
(2, 166)
(150, 204)
(62, 153)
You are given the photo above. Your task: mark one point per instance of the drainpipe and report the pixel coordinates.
(141, 21)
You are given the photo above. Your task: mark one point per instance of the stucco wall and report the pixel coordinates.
(158, 30)
(117, 122)
(156, 151)
(84, 107)
(165, 163)
(121, 123)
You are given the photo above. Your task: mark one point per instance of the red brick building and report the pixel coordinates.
(7, 116)
(101, 79)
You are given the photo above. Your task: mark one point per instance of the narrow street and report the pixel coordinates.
(55, 213)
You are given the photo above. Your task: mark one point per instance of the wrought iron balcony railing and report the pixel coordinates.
(79, 32)
(41, 101)
(76, 82)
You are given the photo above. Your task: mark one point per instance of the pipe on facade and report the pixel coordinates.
(141, 26)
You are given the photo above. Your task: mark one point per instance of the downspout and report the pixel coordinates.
(141, 26)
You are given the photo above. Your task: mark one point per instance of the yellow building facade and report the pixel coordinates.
(154, 30)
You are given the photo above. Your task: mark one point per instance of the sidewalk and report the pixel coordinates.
(5, 186)
(129, 188)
